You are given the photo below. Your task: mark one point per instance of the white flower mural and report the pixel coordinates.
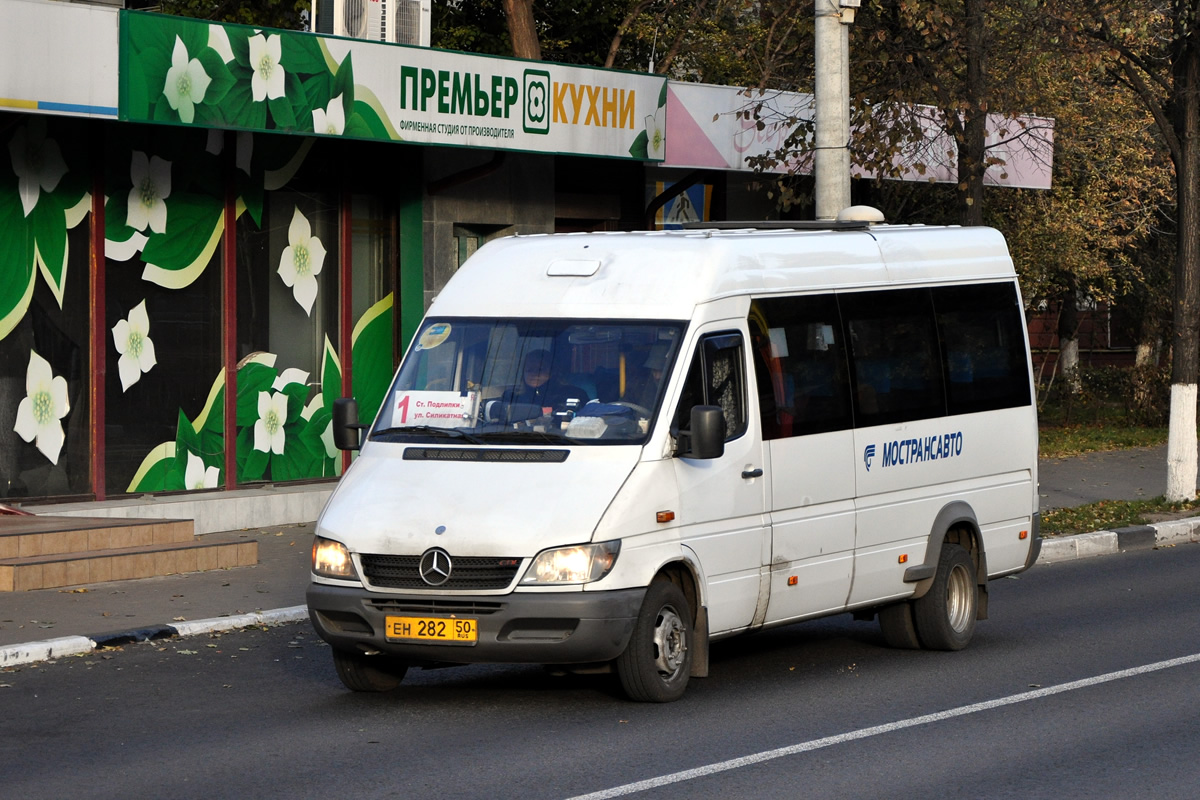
(132, 339)
(36, 160)
(331, 450)
(289, 375)
(331, 120)
(186, 82)
(45, 404)
(268, 81)
(196, 476)
(302, 261)
(151, 187)
(218, 40)
(268, 430)
(656, 134)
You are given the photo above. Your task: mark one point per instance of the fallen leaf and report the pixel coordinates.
(185, 652)
(73, 591)
(178, 619)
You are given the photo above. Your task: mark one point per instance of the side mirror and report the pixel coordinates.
(708, 432)
(345, 424)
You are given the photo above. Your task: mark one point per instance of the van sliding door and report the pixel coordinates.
(803, 391)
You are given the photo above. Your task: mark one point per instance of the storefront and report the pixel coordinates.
(229, 228)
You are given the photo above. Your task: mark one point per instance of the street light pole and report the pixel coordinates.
(831, 53)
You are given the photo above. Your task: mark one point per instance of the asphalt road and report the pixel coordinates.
(1067, 691)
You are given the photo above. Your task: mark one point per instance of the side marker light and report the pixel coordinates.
(664, 516)
(903, 558)
(1023, 535)
(793, 580)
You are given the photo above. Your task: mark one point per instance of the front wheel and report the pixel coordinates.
(363, 673)
(945, 616)
(657, 663)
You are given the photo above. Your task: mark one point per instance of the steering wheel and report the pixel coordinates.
(641, 411)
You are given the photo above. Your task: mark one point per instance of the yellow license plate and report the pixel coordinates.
(432, 629)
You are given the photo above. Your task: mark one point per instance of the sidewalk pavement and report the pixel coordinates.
(52, 623)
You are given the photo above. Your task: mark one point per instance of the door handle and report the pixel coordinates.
(752, 473)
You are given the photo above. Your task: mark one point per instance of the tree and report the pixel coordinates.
(1153, 50)
(287, 14)
(707, 40)
(522, 30)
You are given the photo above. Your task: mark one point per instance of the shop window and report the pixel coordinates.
(288, 332)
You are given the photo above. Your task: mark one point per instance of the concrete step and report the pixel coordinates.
(50, 571)
(29, 536)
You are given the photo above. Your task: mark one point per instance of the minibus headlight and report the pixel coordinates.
(331, 559)
(582, 563)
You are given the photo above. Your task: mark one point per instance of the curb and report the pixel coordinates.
(30, 652)
(1138, 537)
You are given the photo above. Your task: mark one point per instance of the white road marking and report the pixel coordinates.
(829, 741)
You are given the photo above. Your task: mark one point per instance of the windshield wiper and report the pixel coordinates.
(514, 437)
(450, 433)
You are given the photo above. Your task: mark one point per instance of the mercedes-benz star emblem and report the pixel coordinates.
(435, 566)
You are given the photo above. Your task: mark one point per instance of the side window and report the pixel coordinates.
(895, 363)
(984, 347)
(800, 366)
(717, 377)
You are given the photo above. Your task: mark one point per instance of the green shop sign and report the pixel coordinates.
(191, 72)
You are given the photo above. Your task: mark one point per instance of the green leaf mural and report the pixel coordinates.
(306, 450)
(234, 95)
(43, 194)
(372, 358)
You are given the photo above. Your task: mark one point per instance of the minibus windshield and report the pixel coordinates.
(530, 381)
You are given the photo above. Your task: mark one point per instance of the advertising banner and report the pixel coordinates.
(193, 72)
(709, 128)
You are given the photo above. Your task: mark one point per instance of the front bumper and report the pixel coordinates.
(518, 628)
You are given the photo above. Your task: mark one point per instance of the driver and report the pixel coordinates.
(539, 388)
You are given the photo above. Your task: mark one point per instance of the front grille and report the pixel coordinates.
(485, 455)
(468, 574)
(435, 606)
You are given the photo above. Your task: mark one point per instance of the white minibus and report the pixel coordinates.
(604, 451)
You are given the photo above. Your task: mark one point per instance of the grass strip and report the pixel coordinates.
(1107, 515)
(1074, 440)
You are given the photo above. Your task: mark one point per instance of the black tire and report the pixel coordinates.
(363, 673)
(657, 662)
(899, 630)
(945, 616)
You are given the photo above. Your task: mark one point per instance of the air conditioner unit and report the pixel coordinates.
(397, 21)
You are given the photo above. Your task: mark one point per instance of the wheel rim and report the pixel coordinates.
(670, 643)
(958, 599)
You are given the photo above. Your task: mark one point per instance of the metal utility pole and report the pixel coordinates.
(831, 162)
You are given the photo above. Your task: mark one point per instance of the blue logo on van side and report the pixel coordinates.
(915, 451)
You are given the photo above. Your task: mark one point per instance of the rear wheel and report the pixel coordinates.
(945, 616)
(657, 663)
(363, 673)
(899, 630)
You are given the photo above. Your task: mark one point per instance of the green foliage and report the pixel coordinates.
(1114, 395)
(287, 14)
